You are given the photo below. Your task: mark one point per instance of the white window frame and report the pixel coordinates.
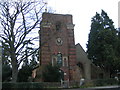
(54, 57)
(65, 57)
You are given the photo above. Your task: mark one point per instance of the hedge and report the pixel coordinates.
(23, 86)
(104, 82)
(54, 86)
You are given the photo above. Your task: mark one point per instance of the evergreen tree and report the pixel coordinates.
(24, 73)
(6, 72)
(101, 47)
(6, 69)
(52, 73)
(118, 53)
(28, 66)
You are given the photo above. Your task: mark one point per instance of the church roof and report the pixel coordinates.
(81, 54)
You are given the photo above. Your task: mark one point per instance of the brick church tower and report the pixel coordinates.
(57, 45)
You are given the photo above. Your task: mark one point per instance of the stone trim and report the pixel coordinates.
(46, 25)
(54, 58)
(70, 26)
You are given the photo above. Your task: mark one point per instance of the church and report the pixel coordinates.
(57, 46)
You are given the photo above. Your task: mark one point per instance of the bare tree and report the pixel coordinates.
(18, 19)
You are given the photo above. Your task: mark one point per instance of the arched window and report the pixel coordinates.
(59, 59)
(54, 61)
(65, 61)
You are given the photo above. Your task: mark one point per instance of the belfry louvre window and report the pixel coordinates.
(58, 26)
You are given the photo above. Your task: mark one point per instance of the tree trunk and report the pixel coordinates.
(14, 70)
(14, 66)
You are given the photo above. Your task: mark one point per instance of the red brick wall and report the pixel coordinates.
(48, 36)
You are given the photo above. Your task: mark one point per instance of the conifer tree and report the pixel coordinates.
(101, 47)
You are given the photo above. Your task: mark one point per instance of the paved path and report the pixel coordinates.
(98, 88)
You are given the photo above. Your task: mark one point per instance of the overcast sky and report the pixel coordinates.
(83, 11)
